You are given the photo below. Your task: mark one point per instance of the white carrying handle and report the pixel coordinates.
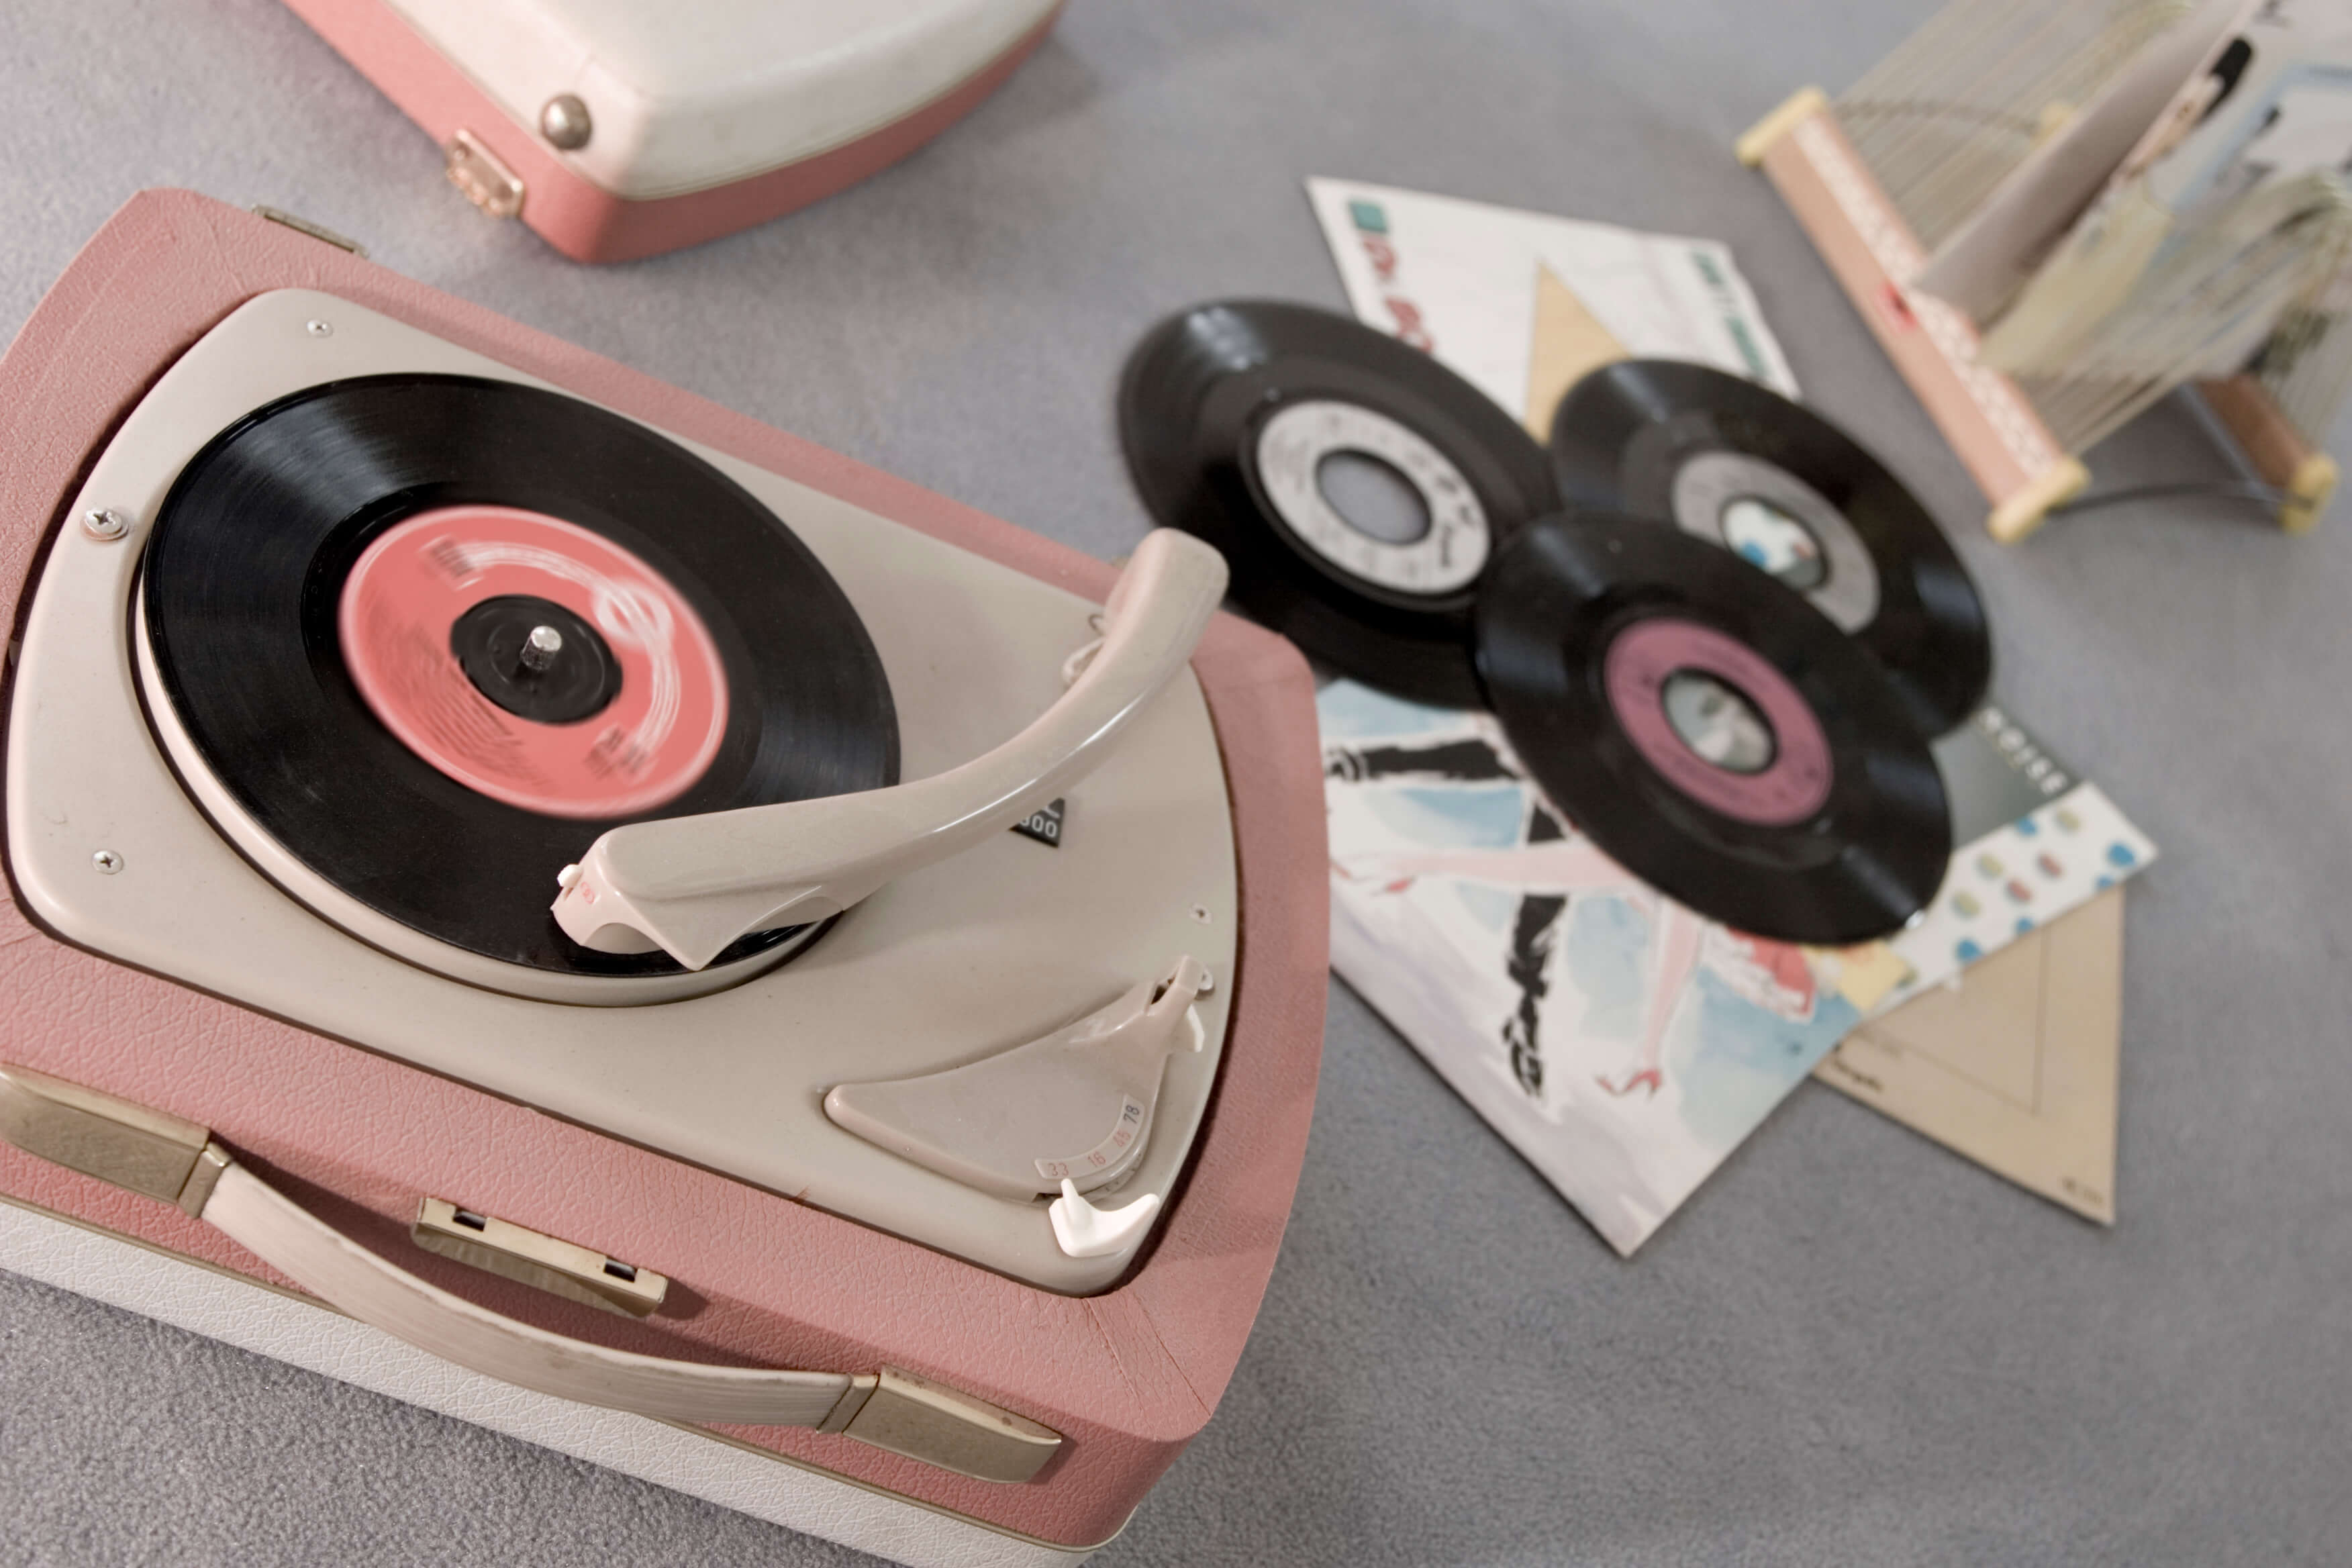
(691, 885)
(165, 1157)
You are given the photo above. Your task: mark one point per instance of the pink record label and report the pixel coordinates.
(647, 745)
(1638, 673)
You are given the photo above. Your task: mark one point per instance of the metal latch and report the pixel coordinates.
(541, 1261)
(146, 1151)
(483, 175)
(932, 1421)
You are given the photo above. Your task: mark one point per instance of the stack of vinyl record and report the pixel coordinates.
(1718, 632)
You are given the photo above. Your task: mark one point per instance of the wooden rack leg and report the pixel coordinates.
(2275, 448)
(1803, 104)
(2021, 511)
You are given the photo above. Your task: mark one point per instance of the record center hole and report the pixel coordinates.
(1372, 497)
(1718, 722)
(1763, 535)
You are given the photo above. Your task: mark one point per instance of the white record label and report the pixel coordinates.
(1771, 518)
(1443, 558)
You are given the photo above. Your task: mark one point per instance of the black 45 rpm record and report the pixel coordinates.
(1740, 465)
(1711, 732)
(246, 594)
(1357, 486)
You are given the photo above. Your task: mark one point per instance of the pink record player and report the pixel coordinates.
(618, 130)
(708, 956)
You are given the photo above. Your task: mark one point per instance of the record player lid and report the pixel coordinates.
(697, 93)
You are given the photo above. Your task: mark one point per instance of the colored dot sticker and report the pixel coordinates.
(2050, 866)
(2024, 925)
(1990, 866)
(2120, 854)
(2019, 892)
(2105, 882)
(1966, 905)
(2027, 827)
(1968, 951)
(2067, 819)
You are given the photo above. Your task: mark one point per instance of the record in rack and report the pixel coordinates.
(1711, 732)
(434, 634)
(1357, 486)
(1738, 465)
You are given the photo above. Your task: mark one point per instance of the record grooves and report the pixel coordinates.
(243, 582)
(1228, 413)
(1736, 463)
(1816, 814)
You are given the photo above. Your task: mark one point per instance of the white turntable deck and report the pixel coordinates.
(951, 964)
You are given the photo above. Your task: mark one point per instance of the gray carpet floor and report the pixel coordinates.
(1852, 1347)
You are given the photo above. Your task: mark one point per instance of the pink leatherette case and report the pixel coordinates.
(1127, 1376)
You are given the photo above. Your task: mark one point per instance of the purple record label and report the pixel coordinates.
(1635, 673)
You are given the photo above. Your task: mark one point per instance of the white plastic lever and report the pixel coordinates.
(691, 885)
(1086, 1231)
(1074, 1105)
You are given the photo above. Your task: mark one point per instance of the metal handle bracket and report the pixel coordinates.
(151, 1152)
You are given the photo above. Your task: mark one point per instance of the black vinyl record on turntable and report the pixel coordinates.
(1737, 464)
(1711, 731)
(1357, 486)
(435, 634)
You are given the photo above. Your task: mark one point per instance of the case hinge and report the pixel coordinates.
(317, 231)
(483, 175)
